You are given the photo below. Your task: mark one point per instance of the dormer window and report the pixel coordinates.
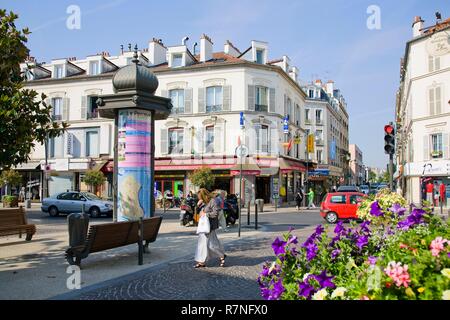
(260, 56)
(94, 68)
(59, 71)
(177, 60)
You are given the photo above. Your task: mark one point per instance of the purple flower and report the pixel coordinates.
(305, 289)
(397, 209)
(365, 226)
(362, 241)
(339, 229)
(416, 217)
(375, 209)
(372, 260)
(319, 230)
(292, 239)
(278, 246)
(291, 229)
(335, 253)
(311, 251)
(448, 255)
(265, 293)
(324, 280)
(265, 271)
(278, 289)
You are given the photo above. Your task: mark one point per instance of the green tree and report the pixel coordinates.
(384, 177)
(25, 118)
(202, 178)
(10, 178)
(372, 176)
(94, 178)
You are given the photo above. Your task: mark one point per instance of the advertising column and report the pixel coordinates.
(134, 185)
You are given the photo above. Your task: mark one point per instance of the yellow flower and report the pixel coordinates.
(423, 242)
(320, 295)
(409, 292)
(446, 295)
(421, 289)
(338, 292)
(446, 272)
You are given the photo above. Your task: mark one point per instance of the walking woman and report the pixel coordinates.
(208, 244)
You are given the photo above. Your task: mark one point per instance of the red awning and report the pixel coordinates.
(193, 164)
(287, 166)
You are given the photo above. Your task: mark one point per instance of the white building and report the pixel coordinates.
(357, 168)
(422, 111)
(209, 91)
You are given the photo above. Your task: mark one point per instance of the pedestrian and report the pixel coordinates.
(22, 194)
(220, 196)
(442, 193)
(430, 189)
(311, 198)
(299, 199)
(208, 244)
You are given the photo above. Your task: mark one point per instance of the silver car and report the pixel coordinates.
(72, 201)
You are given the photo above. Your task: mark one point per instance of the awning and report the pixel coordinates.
(99, 165)
(287, 166)
(268, 172)
(249, 167)
(31, 165)
(193, 164)
(108, 167)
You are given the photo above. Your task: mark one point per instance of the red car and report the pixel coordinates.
(340, 205)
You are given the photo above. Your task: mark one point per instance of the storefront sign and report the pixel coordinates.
(69, 150)
(428, 168)
(438, 44)
(134, 169)
(319, 172)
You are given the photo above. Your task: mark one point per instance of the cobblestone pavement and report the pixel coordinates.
(179, 280)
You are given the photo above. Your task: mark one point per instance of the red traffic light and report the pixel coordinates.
(389, 129)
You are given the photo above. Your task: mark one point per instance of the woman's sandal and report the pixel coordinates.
(222, 260)
(199, 265)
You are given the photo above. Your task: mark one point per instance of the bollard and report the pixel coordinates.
(164, 204)
(248, 214)
(256, 216)
(141, 240)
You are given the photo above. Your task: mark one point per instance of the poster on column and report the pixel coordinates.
(134, 165)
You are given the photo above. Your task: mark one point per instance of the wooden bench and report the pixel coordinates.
(113, 235)
(14, 221)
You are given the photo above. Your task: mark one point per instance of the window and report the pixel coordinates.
(177, 97)
(59, 71)
(92, 143)
(338, 199)
(311, 93)
(297, 115)
(318, 116)
(319, 136)
(434, 63)
(209, 147)
(56, 146)
(307, 120)
(260, 56)
(65, 196)
(319, 156)
(436, 144)
(262, 139)
(94, 68)
(214, 99)
(93, 107)
(289, 109)
(57, 108)
(434, 98)
(355, 199)
(261, 99)
(176, 136)
(177, 60)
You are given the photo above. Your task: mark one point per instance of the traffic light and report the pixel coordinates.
(389, 139)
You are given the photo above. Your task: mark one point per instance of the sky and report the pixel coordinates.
(341, 40)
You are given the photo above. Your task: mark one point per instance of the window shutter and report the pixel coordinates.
(251, 98)
(426, 147)
(187, 141)
(437, 63)
(226, 98)
(164, 143)
(218, 139)
(430, 64)
(105, 133)
(431, 100)
(258, 140)
(201, 100)
(437, 100)
(65, 110)
(164, 93)
(83, 108)
(445, 145)
(272, 100)
(188, 100)
(201, 139)
(285, 106)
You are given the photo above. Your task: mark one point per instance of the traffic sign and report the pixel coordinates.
(241, 151)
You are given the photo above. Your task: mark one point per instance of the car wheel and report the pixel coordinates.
(331, 217)
(53, 211)
(94, 212)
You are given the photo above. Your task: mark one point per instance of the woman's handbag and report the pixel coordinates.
(203, 225)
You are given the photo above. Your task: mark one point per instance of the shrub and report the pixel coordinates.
(202, 178)
(94, 178)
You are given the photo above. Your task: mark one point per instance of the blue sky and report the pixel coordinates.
(326, 39)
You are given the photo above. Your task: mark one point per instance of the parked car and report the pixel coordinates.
(348, 189)
(340, 205)
(72, 201)
(382, 186)
(364, 188)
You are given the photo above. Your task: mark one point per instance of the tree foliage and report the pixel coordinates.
(10, 177)
(202, 178)
(25, 118)
(94, 178)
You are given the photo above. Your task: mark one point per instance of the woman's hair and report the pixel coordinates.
(204, 195)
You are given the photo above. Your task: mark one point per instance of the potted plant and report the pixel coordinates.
(94, 179)
(10, 201)
(10, 178)
(436, 154)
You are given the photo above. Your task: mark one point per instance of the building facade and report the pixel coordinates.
(326, 117)
(423, 111)
(357, 168)
(210, 92)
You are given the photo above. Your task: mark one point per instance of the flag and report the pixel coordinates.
(239, 140)
(290, 144)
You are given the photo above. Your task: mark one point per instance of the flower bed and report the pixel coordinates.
(392, 254)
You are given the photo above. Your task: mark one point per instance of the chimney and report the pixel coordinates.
(318, 83)
(330, 86)
(156, 52)
(294, 73)
(286, 62)
(417, 26)
(230, 49)
(206, 48)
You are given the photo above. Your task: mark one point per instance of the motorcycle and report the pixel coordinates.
(230, 209)
(187, 208)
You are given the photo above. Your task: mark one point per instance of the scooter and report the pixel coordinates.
(230, 210)
(187, 211)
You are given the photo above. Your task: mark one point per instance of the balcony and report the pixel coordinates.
(177, 110)
(307, 121)
(261, 107)
(319, 142)
(214, 108)
(57, 117)
(319, 122)
(436, 154)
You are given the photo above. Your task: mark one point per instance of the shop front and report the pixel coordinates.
(31, 180)
(290, 177)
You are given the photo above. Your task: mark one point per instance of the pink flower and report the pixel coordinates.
(437, 245)
(398, 273)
